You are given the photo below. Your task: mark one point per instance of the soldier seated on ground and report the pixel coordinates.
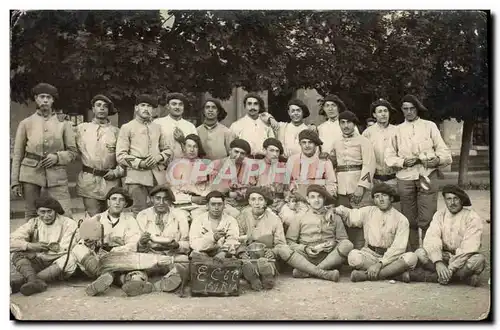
(317, 244)
(214, 234)
(39, 248)
(451, 246)
(111, 231)
(165, 231)
(258, 224)
(386, 233)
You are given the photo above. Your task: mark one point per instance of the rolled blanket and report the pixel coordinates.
(128, 261)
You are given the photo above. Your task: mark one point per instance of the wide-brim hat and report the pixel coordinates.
(121, 191)
(263, 191)
(323, 192)
(310, 135)
(165, 188)
(350, 116)
(221, 112)
(381, 102)
(415, 101)
(385, 189)
(459, 192)
(305, 110)
(111, 106)
(197, 140)
(332, 98)
(44, 88)
(145, 98)
(50, 203)
(262, 105)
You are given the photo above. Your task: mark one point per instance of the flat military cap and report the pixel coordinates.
(145, 98)
(111, 106)
(44, 88)
(459, 192)
(221, 112)
(322, 191)
(262, 105)
(242, 144)
(50, 203)
(121, 191)
(385, 189)
(305, 110)
(310, 135)
(335, 99)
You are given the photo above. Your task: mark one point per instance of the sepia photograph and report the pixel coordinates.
(250, 165)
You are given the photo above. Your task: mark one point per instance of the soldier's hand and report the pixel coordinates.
(313, 128)
(233, 194)
(409, 162)
(311, 251)
(17, 190)
(218, 235)
(173, 245)
(49, 161)
(150, 161)
(324, 155)
(244, 255)
(444, 274)
(37, 247)
(373, 271)
(178, 135)
(265, 116)
(358, 195)
(145, 238)
(110, 175)
(269, 254)
(433, 162)
(219, 257)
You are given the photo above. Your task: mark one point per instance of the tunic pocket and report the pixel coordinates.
(29, 162)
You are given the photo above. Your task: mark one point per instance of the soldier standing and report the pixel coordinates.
(42, 149)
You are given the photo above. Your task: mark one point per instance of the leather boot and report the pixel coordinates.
(91, 265)
(50, 274)
(301, 263)
(466, 275)
(393, 269)
(359, 276)
(16, 281)
(137, 284)
(101, 284)
(267, 273)
(333, 260)
(251, 275)
(299, 274)
(170, 282)
(33, 283)
(423, 275)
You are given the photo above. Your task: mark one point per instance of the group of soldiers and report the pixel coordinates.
(375, 191)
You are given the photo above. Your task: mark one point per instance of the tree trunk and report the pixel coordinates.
(464, 151)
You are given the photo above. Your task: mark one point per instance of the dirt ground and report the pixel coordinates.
(291, 299)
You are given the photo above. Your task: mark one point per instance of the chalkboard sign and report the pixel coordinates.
(209, 278)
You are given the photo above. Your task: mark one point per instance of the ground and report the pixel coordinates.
(292, 299)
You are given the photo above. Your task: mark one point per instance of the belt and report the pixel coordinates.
(378, 250)
(385, 177)
(33, 156)
(348, 168)
(91, 170)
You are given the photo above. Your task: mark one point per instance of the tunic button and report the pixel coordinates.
(46, 130)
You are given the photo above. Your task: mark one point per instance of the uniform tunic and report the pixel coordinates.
(380, 137)
(412, 139)
(313, 228)
(388, 230)
(288, 134)
(201, 234)
(254, 131)
(212, 139)
(329, 132)
(97, 146)
(136, 141)
(175, 222)
(355, 150)
(304, 171)
(268, 224)
(43, 136)
(168, 125)
(459, 234)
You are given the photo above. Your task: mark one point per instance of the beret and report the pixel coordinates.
(177, 96)
(273, 142)
(332, 98)
(121, 191)
(111, 106)
(302, 105)
(50, 203)
(145, 98)
(414, 100)
(310, 135)
(385, 189)
(44, 88)
(322, 191)
(165, 188)
(348, 115)
(261, 191)
(242, 144)
(380, 102)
